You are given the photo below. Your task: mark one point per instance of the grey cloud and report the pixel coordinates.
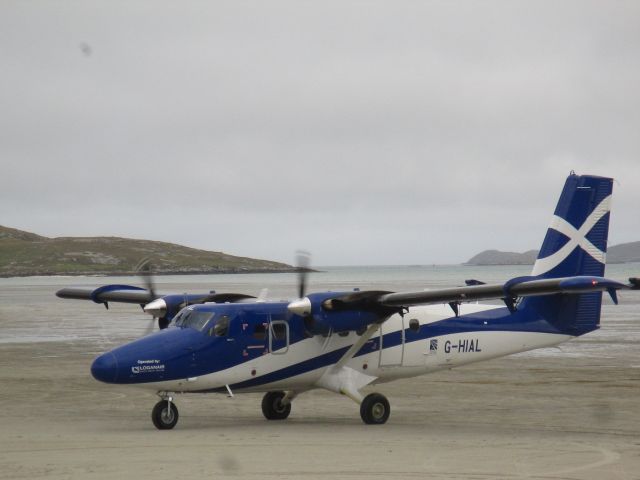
(368, 132)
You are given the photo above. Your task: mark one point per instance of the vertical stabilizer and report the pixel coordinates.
(575, 244)
(576, 240)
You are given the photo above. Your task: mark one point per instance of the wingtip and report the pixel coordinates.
(62, 293)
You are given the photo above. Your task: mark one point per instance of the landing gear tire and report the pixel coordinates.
(375, 409)
(164, 415)
(273, 408)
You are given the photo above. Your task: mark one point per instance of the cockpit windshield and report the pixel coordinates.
(192, 319)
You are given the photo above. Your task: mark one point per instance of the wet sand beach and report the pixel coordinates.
(515, 417)
(572, 413)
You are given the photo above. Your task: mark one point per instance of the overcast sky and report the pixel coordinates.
(366, 132)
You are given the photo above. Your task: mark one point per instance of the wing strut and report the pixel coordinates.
(355, 348)
(346, 380)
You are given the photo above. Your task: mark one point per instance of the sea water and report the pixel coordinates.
(31, 313)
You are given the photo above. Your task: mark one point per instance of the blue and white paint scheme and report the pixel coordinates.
(342, 342)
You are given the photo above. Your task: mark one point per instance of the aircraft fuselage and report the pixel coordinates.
(264, 350)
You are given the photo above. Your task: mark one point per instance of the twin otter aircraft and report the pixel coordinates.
(342, 342)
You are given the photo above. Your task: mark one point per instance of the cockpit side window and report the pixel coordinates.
(221, 327)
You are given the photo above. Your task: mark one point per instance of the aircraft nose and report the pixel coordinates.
(105, 368)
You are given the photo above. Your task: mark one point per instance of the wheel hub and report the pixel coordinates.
(278, 406)
(378, 410)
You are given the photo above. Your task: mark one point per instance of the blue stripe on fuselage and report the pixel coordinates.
(494, 320)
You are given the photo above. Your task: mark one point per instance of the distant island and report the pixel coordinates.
(26, 254)
(623, 253)
(496, 257)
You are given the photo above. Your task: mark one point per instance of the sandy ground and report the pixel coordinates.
(509, 418)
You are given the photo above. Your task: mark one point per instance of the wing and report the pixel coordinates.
(508, 292)
(141, 296)
(109, 293)
(163, 307)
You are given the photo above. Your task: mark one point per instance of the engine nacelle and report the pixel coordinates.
(321, 315)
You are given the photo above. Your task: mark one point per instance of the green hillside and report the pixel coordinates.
(24, 254)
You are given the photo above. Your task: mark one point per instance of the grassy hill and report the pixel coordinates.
(24, 254)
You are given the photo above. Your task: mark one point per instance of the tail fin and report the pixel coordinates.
(576, 241)
(575, 244)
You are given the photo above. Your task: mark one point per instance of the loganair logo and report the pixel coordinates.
(577, 237)
(147, 366)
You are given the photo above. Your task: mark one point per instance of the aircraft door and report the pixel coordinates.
(263, 333)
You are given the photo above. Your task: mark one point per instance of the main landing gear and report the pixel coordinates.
(374, 408)
(276, 405)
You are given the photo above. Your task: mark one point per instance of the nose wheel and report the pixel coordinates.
(165, 414)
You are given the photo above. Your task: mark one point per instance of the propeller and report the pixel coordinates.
(156, 307)
(144, 272)
(302, 305)
(303, 260)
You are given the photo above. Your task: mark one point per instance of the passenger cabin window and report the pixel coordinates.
(279, 331)
(260, 331)
(192, 319)
(414, 324)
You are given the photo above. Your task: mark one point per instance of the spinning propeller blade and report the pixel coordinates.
(144, 272)
(303, 260)
(302, 305)
(156, 307)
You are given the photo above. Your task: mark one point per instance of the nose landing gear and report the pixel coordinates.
(165, 414)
